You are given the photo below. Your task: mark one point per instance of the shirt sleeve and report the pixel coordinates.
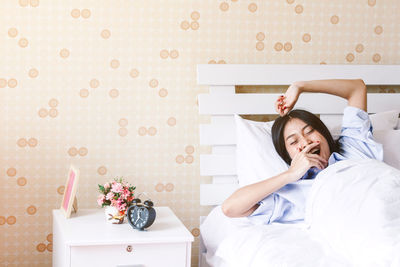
(263, 214)
(356, 140)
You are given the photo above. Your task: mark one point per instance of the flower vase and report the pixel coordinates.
(113, 215)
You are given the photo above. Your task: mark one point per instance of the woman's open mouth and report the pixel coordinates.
(315, 151)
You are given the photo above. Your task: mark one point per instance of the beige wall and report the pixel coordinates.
(110, 86)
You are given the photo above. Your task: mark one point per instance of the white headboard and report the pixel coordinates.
(222, 102)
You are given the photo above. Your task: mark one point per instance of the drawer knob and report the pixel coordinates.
(129, 248)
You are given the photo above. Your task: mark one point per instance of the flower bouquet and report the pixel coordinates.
(116, 196)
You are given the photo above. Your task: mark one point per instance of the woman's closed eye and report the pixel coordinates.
(293, 142)
(309, 131)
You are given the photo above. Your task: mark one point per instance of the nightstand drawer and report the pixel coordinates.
(172, 254)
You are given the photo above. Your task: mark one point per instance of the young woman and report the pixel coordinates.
(307, 146)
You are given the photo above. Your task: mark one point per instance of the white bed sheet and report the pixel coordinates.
(239, 242)
(352, 219)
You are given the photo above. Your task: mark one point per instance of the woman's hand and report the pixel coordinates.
(304, 160)
(286, 102)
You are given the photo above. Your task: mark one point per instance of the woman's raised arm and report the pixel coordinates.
(354, 91)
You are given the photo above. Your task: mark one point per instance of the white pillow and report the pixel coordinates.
(256, 157)
(385, 120)
(390, 139)
(380, 121)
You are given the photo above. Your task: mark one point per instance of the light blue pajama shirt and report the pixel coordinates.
(287, 205)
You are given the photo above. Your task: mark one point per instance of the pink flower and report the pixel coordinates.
(114, 203)
(110, 196)
(117, 188)
(126, 193)
(106, 186)
(100, 200)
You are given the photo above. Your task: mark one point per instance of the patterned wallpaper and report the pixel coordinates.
(110, 87)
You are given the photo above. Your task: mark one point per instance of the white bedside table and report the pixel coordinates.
(86, 239)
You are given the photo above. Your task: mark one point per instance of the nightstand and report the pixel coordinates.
(86, 239)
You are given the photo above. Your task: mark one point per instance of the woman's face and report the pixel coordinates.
(298, 134)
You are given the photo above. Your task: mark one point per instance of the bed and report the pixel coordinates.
(370, 235)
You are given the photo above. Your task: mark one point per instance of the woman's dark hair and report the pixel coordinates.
(308, 118)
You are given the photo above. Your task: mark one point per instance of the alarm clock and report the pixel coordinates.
(141, 216)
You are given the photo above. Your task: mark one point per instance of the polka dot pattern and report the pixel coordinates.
(151, 131)
(60, 190)
(77, 13)
(350, 57)
(21, 181)
(102, 170)
(306, 37)
(188, 158)
(378, 30)
(376, 58)
(359, 48)
(84, 93)
(173, 54)
(64, 53)
(195, 232)
(134, 73)
(83, 151)
(224, 6)
(41, 247)
(153, 83)
(189, 149)
(169, 187)
(123, 132)
(12, 83)
(299, 9)
(161, 187)
(163, 92)
(105, 34)
(114, 64)
(213, 61)
(171, 121)
(114, 93)
(31, 210)
(52, 112)
(94, 83)
(278, 46)
(73, 151)
(33, 73)
(194, 24)
(22, 142)
(12, 32)
(287, 46)
(334, 19)
(76, 88)
(3, 83)
(179, 159)
(23, 42)
(49, 238)
(11, 172)
(23, 3)
(252, 7)
(11, 220)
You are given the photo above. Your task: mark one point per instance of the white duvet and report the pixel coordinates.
(352, 219)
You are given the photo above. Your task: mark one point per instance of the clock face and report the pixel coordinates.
(139, 217)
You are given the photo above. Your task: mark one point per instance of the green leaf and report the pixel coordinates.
(101, 188)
